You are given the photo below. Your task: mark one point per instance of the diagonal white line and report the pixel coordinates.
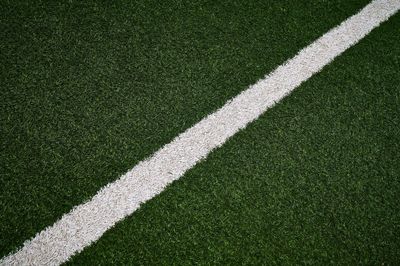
(87, 222)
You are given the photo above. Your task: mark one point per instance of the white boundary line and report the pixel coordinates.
(87, 222)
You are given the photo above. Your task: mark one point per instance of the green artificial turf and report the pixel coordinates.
(315, 180)
(88, 89)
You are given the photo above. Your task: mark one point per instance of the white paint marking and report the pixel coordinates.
(86, 223)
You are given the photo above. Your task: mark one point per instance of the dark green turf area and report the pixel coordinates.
(315, 180)
(90, 88)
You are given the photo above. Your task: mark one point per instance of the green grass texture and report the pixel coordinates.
(89, 89)
(315, 180)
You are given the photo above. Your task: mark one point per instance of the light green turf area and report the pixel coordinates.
(314, 181)
(88, 89)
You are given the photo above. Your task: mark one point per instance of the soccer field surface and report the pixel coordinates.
(244, 136)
